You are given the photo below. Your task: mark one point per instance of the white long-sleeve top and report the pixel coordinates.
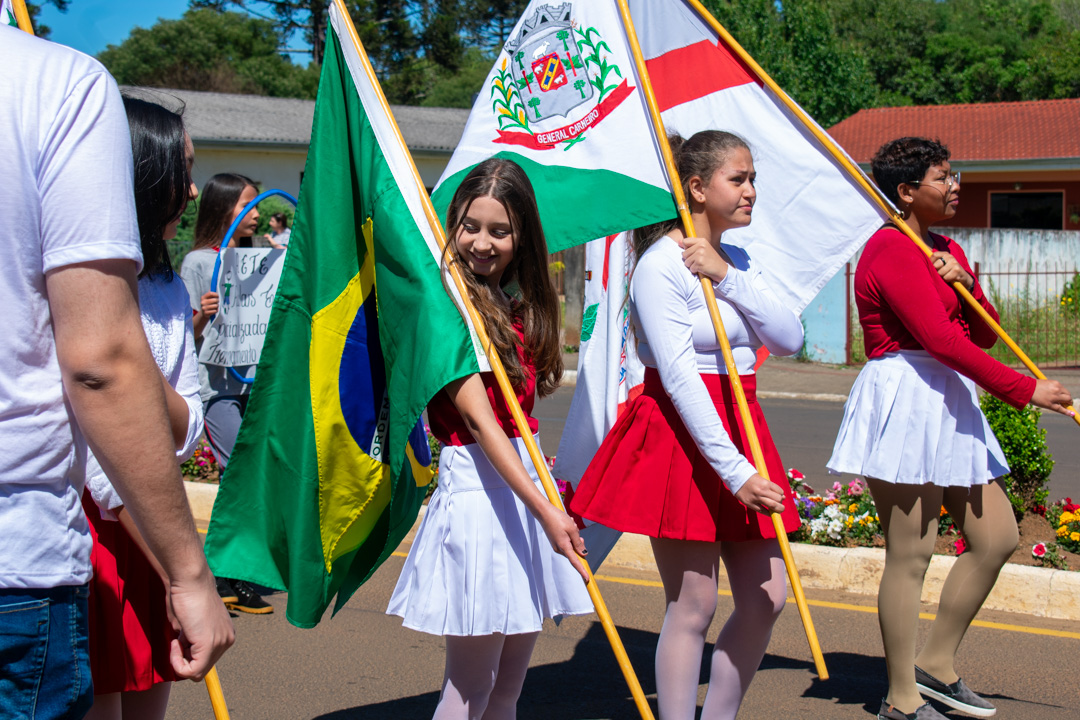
(675, 336)
(166, 318)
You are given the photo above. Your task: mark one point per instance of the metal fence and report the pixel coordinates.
(1040, 309)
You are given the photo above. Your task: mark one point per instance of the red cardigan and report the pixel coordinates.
(905, 305)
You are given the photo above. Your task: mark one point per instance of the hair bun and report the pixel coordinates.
(675, 140)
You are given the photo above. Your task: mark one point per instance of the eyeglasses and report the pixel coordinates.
(950, 181)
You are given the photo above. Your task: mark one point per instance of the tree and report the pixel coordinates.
(487, 23)
(34, 11)
(210, 50)
(797, 44)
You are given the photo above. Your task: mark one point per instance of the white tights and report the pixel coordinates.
(484, 675)
(689, 573)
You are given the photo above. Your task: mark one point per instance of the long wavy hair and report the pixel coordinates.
(535, 303)
(216, 205)
(701, 155)
(161, 178)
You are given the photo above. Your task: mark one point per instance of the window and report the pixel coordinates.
(1027, 210)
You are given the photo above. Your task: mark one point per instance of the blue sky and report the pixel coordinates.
(91, 25)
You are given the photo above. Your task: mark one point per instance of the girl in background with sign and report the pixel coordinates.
(675, 466)
(224, 396)
(130, 631)
(481, 571)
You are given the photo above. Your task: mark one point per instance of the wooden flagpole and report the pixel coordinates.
(22, 16)
(504, 383)
(860, 178)
(213, 683)
(721, 336)
(217, 698)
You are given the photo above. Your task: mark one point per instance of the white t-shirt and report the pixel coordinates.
(675, 335)
(163, 305)
(67, 197)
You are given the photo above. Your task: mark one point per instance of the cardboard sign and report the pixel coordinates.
(247, 282)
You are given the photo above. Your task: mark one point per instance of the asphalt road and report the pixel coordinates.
(363, 665)
(804, 431)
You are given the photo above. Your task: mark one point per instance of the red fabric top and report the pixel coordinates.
(905, 305)
(449, 427)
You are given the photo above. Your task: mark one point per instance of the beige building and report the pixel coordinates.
(267, 138)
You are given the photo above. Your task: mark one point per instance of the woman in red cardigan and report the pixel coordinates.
(913, 427)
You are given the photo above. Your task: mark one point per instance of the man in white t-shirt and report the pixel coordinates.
(75, 366)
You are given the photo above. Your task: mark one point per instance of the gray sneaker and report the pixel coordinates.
(957, 696)
(925, 712)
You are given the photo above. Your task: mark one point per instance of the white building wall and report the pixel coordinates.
(281, 169)
(278, 169)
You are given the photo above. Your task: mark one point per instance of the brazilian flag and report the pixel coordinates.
(332, 462)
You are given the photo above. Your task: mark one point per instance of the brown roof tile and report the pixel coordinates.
(1031, 130)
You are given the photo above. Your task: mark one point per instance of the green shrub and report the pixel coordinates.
(1024, 445)
(268, 207)
(1070, 297)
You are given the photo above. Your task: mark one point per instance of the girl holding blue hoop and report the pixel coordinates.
(223, 390)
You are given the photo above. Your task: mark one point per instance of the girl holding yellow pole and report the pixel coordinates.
(493, 557)
(913, 427)
(675, 466)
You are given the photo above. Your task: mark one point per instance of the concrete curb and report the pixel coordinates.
(1042, 592)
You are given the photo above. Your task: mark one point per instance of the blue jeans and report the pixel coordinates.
(44, 654)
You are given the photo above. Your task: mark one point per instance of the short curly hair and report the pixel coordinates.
(905, 160)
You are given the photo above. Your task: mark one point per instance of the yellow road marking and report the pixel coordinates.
(840, 606)
(868, 609)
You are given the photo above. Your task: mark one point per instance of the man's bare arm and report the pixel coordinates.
(115, 390)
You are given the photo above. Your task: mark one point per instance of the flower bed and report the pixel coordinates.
(845, 516)
(202, 466)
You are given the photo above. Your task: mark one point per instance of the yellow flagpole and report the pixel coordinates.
(860, 178)
(22, 16)
(217, 698)
(504, 385)
(721, 336)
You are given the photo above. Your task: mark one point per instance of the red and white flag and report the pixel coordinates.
(810, 217)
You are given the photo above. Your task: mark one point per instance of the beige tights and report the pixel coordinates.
(909, 517)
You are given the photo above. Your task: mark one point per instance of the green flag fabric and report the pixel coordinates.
(332, 461)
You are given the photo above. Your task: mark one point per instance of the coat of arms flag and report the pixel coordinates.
(563, 101)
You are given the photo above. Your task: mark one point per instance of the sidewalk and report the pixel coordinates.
(789, 378)
(1042, 592)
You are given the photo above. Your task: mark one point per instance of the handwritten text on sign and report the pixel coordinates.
(247, 282)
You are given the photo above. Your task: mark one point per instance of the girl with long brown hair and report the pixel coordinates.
(224, 396)
(493, 557)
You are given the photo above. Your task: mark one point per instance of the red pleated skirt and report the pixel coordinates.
(130, 633)
(649, 478)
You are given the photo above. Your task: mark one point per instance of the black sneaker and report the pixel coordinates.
(225, 590)
(925, 712)
(248, 600)
(958, 696)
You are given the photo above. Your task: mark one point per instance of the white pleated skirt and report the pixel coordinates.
(911, 420)
(480, 563)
